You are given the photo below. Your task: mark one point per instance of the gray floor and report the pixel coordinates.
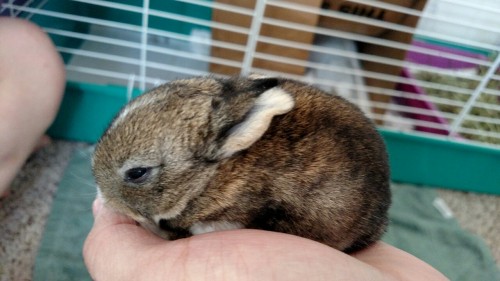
(24, 212)
(478, 213)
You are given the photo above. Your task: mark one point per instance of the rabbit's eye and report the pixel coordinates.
(137, 175)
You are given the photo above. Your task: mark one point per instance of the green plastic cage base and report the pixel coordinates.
(87, 110)
(431, 161)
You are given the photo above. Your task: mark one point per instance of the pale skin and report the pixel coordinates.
(118, 249)
(32, 80)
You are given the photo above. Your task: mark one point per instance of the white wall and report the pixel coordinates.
(471, 12)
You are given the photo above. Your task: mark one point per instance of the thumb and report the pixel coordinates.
(115, 245)
(104, 216)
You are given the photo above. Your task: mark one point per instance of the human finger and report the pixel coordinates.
(115, 246)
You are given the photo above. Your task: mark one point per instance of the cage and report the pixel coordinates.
(425, 71)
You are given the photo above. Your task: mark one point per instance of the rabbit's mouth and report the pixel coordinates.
(160, 224)
(165, 229)
(168, 229)
(173, 232)
(156, 229)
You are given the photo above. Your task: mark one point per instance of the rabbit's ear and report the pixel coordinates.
(272, 102)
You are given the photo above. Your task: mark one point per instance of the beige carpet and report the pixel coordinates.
(24, 213)
(478, 213)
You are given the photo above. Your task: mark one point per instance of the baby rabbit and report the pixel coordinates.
(206, 154)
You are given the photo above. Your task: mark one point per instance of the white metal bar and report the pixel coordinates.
(388, 92)
(361, 73)
(98, 55)
(228, 45)
(163, 50)
(394, 93)
(477, 92)
(367, 57)
(406, 109)
(384, 91)
(487, 106)
(482, 119)
(135, 45)
(111, 74)
(98, 72)
(132, 61)
(9, 4)
(366, 39)
(3, 7)
(77, 18)
(144, 44)
(403, 119)
(474, 5)
(377, 90)
(459, 120)
(25, 4)
(113, 5)
(94, 38)
(479, 133)
(492, 92)
(102, 73)
(255, 26)
(176, 69)
(382, 24)
(220, 6)
(130, 86)
(192, 56)
(124, 26)
(207, 23)
(413, 12)
(402, 109)
(406, 121)
(39, 6)
(216, 43)
(167, 15)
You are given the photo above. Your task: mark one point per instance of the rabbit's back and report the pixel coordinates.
(320, 171)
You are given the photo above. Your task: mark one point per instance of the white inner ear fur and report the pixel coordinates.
(256, 76)
(272, 102)
(212, 226)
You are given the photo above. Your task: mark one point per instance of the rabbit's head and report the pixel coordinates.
(163, 147)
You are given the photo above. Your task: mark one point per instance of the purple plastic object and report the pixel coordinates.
(435, 115)
(438, 61)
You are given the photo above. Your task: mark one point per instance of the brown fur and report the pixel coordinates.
(319, 171)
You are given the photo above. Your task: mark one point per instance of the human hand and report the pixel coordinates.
(118, 249)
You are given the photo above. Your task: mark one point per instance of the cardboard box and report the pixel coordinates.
(363, 10)
(266, 30)
(344, 6)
